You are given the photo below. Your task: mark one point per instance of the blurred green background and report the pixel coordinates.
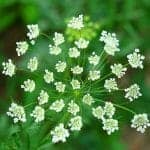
(129, 19)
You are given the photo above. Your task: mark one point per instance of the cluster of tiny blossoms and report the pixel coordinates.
(81, 90)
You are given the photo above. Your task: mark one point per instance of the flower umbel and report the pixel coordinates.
(21, 48)
(28, 86)
(76, 23)
(75, 83)
(135, 59)
(38, 113)
(140, 122)
(32, 64)
(17, 113)
(133, 92)
(59, 133)
(8, 68)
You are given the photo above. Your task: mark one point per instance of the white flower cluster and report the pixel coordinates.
(140, 122)
(94, 59)
(17, 113)
(133, 92)
(21, 48)
(38, 113)
(58, 40)
(82, 43)
(105, 114)
(28, 86)
(59, 133)
(43, 97)
(8, 68)
(57, 106)
(60, 87)
(135, 59)
(75, 123)
(111, 42)
(80, 85)
(60, 66)
(75, 84)
(73, 52)
(48, 76)
(76, 23)
(33, 32)
(94, 75)
(33, 64)
(77, 69)
(73, 108)
(110, 84)
(88, 99)
(118, 70)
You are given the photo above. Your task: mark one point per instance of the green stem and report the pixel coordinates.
(45, 35)
(29, 104)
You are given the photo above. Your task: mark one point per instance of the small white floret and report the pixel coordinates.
(21, 48)
(59, 133)
(60, 87)
(28, 85)
(33, 64)
(133, 92)
(17, 113)
(38, 114)
(57, 106)
(136, 59)
(48, 76)
(8, 68)
(110, 84)
(76, 22)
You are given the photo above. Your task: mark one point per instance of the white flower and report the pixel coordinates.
(58, 39)
(75, 123)
(82, 43)
(109, 109)
(140, 122)
(33, 32)
(8, 68)
(73, 52)
(54, 50)
(73, 108)
(118, 70)
(111, 42)
(111, 50)
(76, 22)
(75, 84)
(17, 113)
(48, 76)
(135, 59)
(33, 64)
(28, 85)
(21, 48)
(77, 69)
(110, 125)
(94, 75)
(98, 112)
(88, 99)
(60, 87)
(94, 59)
(110, 84)
(38, 113)
(133, 92)
(60, 66)
(43, 97)
(57, 106)
(59, 133)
